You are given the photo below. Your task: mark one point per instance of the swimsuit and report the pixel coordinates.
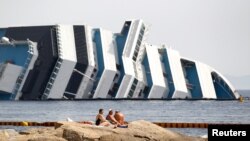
(98, 122)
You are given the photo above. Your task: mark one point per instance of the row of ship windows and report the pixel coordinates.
(53, 75)
(132, 89)
(138, 44)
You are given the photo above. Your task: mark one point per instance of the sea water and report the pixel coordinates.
(207, 111)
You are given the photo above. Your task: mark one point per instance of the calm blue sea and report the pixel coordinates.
(158, 111)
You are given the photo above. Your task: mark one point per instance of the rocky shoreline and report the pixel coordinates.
(70, 131)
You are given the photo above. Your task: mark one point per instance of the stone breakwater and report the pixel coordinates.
(70, 131)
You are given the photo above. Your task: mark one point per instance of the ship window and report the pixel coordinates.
(130, 94)
(51, 81)
(140, 38)
(49, 86)
(59, 59)
(133, 87)
(46, 91)
(136, 53)
(137, 48)
(56, 70)
(140, 93)
(53, 75)
(118, 67)
(58, 65)
(134, 58)
(146, 90)
(135, 81)
(165, 74)
(19, 80)
(116, 76)
(139, 42)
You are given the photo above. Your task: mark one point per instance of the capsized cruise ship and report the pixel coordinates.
(83, 62)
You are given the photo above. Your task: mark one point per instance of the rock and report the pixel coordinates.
(137, 130)
(72, 131)
(72, 135)
(148, 131)
(40, 130)
(44, 138)
(44, 134)
(3, 135)
(79, 132)
(37, 134)
(7, 134)
(117, 137)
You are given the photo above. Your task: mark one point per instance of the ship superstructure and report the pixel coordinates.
(82, 62)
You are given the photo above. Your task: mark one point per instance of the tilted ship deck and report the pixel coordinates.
(82, 62)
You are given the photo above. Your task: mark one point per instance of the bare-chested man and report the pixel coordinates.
(119, 117)
(110, 117)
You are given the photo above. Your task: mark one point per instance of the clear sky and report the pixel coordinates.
(216, 32)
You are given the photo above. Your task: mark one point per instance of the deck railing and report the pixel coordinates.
(24, 69)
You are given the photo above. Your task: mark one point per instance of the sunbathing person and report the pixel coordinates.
(100, 120)
(110, 117)
(119, 117)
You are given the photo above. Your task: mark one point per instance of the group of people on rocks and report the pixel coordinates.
(116, 119)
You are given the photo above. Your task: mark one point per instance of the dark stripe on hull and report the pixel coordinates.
(82, 61)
